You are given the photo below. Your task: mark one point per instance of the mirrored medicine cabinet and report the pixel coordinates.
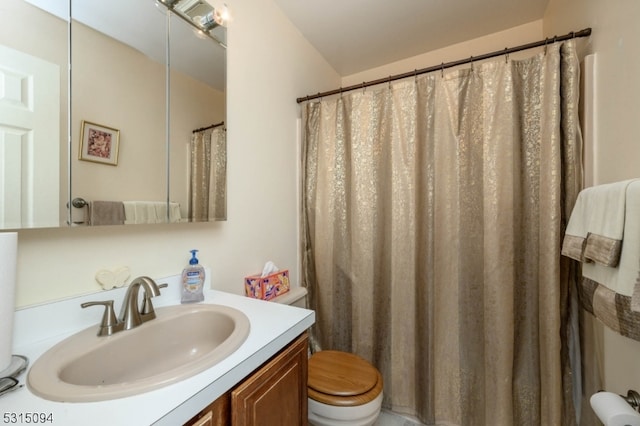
(111, 112)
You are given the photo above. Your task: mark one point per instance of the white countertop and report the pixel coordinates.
(38, 328)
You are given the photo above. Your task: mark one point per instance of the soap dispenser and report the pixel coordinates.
(193, 281)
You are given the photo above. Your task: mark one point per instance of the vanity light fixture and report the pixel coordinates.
(208, 21)
(187, 7)
(223, 16)
(202, 15)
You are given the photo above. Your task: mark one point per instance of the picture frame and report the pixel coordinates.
(99, 143)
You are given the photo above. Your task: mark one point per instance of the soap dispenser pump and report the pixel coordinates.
(193, 281)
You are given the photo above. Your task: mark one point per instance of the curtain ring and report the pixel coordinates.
(442, 70)
(340, 91)
(415, 75)
(471, 60)
(364, 87)
(546, 40)
(506, 55)
(389, 81)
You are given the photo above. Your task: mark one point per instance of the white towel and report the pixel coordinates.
(596, 227)
(174, 212)
(622, 279)
(161, 212)
(139, 212)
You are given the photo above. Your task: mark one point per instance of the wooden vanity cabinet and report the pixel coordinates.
(274, 394)
(216, 414)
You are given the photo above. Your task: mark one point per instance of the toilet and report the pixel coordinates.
(343, 388)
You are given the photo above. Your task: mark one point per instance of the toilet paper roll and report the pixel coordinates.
(613, 410)
(8, 260)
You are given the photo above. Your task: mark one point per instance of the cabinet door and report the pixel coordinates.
(216, 414)
(276, 394)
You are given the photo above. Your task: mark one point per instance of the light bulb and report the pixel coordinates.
(224, 14)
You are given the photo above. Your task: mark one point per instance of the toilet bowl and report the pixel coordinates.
(343, 388)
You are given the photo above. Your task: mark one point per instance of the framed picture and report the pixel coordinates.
(99, 143)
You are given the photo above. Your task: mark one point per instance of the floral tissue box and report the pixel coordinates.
(266, 288)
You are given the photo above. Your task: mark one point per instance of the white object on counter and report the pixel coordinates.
(8, 260)
(269, 268)
(613, 410)
(38, 328)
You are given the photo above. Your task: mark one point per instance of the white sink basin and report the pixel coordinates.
(182, 341)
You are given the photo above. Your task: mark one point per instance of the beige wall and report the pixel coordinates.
(614, 41)
(493, 42)
(269, 65)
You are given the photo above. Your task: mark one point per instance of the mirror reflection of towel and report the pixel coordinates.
(106, 213)
(150, 212)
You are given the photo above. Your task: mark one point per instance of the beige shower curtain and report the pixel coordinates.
(208, 175)
(433, 211)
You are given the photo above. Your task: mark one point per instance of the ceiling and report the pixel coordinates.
(357, 35)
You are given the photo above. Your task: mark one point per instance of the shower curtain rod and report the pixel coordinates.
(213, 126)
(583, 33)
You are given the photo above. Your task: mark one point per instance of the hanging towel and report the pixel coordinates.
(596, 227)
(623, 279)
(139, 212)
(612, 294)
(174, 212)
(106, 213)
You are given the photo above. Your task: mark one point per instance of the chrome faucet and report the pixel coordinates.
(132, 313)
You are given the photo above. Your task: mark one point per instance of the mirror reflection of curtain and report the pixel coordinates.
(432, 218)
(207, 189)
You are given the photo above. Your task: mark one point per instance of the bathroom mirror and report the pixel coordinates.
(118, 108)
(146, 84)
(197, 115)
(126, 122)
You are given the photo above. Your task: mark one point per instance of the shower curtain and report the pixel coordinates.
(432, 215)
(208, 180)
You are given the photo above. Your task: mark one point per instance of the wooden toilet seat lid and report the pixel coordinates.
(341, 374)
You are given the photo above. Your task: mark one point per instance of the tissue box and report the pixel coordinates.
(266, 288)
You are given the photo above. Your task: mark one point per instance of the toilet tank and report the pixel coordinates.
(296, 296)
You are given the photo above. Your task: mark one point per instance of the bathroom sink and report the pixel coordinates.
(182, 341)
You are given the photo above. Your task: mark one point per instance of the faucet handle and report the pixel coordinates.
(109, 320)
